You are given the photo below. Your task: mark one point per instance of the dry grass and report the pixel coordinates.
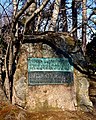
(10, 112)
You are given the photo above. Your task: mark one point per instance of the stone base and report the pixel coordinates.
(51, 97)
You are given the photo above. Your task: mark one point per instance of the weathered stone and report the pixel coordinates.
(82, 92)
(2, 95)
(51, 97)
(48, 97)
(92, 91)
(20, 90)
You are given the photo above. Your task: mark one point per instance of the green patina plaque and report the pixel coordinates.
(49, 64)
(49, 71)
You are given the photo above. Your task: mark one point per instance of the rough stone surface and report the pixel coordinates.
(51, 97)
(82, 92)
(92, 91)
(48, 97)
(2, 95)
(20, 91)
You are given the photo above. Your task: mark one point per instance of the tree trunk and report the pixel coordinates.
(38, 23)
(64, 16)
(9, 63)
(6, 81)
(31, 9)
(14, 13)
(14, 7)
(54, 18)
(38, 19)
(0, 64)
(84, 21)
(74, 18)
(11, 69)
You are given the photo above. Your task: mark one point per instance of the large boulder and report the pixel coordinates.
(38, 97)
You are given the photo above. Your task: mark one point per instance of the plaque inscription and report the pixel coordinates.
(49, 71)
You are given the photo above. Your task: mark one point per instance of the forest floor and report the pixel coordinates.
(10, 112)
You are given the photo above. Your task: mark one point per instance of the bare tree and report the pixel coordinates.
(12, 48)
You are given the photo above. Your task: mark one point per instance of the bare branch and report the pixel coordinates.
(51, 36)
(5, 12)
(74, 29)
(28, 3)
(14, 7)
(90, 28)
(36, 12)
